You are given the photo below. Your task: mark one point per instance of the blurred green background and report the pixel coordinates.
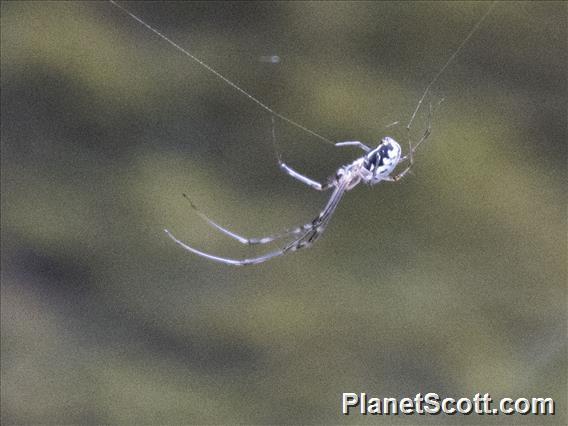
(452, 281)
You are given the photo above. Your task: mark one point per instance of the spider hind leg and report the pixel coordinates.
(243, 240)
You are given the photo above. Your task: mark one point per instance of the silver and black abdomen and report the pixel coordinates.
(383, 159)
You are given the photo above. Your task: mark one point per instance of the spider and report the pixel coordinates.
(376, 165)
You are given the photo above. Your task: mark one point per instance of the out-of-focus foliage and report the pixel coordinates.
(452, 281)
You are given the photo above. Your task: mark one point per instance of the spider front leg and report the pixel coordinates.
(412, 149)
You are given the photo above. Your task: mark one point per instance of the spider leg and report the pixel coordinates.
(318, 225)
(312, 231)
(226, 260)
(304, 179)
(291, 172)
(239, 238)
(295, 245)
(428, 130)
(412, 149)
(354, 143)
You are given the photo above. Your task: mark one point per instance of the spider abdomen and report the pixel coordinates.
(382, 160)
